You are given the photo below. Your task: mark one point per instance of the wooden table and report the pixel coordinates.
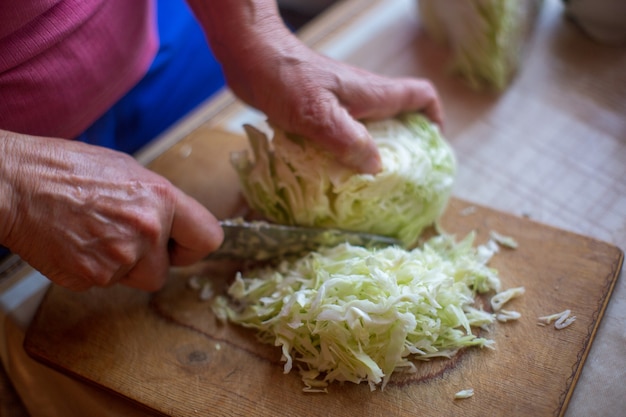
(552, 147)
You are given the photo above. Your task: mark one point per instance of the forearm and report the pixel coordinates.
(233, 27)
(248, 37)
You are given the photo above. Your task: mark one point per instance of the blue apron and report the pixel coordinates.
(183, 74)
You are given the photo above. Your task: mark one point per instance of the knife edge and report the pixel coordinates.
(261, 240)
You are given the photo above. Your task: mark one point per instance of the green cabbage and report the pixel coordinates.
(290, 181)
(487, 37)
(353, 314)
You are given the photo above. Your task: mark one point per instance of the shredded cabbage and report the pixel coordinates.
(563, 319)
(503, 240)
(501, 298)
(486, 36)
(291, 181)
(465, 393)
(349, 313)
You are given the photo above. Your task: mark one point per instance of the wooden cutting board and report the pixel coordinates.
(168, 354)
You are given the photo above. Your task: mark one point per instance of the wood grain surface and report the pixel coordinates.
(167, 353)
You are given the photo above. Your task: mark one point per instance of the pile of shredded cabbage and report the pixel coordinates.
(348, 313)
(290, 181)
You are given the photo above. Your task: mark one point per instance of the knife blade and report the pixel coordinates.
(261, 241)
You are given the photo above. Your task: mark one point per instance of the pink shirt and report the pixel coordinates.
(63, 63)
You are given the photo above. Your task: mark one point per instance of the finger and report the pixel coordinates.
(71, 282)
(195, 232)
(340, 134)
(363, 154)
(121, 273)
(389, 97)
(150, 273)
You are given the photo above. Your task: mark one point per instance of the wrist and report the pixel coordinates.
(235, 27)
(244, 35)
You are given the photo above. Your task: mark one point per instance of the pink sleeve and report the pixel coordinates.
(65, 62)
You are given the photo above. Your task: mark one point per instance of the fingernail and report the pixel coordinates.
(372, 164)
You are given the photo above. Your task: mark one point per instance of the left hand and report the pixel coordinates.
(306, 93)
(302, 91)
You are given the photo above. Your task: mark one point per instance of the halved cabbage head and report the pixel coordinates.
(487, 37)
(291, 181)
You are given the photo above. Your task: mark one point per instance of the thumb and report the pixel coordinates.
(195, 232)
(347, 139)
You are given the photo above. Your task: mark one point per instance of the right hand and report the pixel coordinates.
(88, 216)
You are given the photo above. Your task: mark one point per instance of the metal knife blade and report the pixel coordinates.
(260, 241)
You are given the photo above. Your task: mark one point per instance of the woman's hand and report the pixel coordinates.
(308, 94)
(88, 216)
(302, 91)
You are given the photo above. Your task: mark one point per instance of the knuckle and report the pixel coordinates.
(150, 227)
(148, 220)
(90, 273)
(99, 269)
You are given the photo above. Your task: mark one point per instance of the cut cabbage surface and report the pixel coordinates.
(348, 313)
(290, 181)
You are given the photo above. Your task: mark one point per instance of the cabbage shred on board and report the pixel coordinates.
(353, 314)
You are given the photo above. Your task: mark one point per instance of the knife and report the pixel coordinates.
(261, 241)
